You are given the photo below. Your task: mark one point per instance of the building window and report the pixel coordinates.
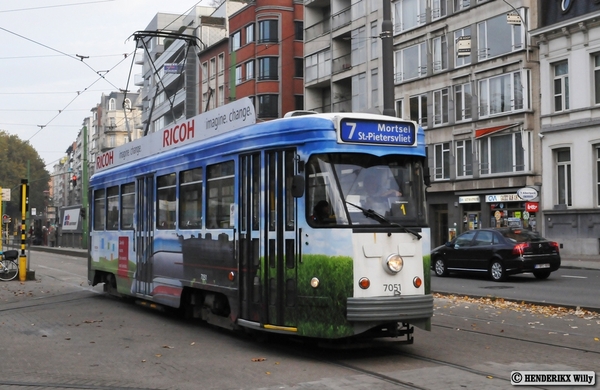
(205, 72)
(374, 40)
(358, 9)
(408, 14)
(459, 5)
(439, 9)
(318, 65)
(249, 33)
(236, 40)
(418, 109)
(112, 104)
(597, 154)
(561, 86)
(440, 53)
(374, 87)
(501, 154)
(462, 58)
(563, 176)
(298, 102)
(268, 31)
(359, 98)
(239, 78)
(495, 37)
(249, 69)
(462, 102)
(597, 78)
(268, 68)
(440, 106)
(411, 63)
(221, 95)
(441, 161)
(268, 106)
(501, 94)
(298, 67)
(221, 63)
(299, 30)
(464, 158)
(359, 46)
(213, 67)
(400, 108)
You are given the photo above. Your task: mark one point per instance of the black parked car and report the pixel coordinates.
(498, 252)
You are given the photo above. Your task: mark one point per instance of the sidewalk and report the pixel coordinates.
(581, 262)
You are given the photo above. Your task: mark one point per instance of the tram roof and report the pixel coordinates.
(293, 130)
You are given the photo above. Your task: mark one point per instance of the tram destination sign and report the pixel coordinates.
(393, 133)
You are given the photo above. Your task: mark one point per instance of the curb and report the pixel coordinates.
(527, 302)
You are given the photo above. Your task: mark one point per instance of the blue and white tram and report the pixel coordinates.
(274, 227)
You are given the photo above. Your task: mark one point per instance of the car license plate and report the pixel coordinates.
(538, 266)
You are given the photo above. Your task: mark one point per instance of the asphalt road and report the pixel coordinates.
(57, 333)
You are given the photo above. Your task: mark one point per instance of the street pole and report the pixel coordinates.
(84, 189)
(387, 57)
(24, 211)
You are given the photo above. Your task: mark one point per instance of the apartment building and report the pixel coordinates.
(569, 52)
(466, 72)
(266, 60)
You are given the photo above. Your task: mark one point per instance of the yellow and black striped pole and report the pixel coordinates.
(24, 208)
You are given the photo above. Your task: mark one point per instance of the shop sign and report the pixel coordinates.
(469, 199)
(532, 207)
(527, 193)
(502, 198)
(515, 222)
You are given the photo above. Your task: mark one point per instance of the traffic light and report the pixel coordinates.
(82, 213)
(74, 180)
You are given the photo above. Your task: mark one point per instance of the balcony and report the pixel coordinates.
(341, 19)
(342, 64)
(317, 30)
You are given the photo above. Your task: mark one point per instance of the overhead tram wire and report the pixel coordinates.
(79, 93)
(55, 6)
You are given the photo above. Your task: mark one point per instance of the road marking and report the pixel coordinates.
(573, 277)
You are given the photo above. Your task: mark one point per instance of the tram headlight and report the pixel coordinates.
(314, 282)
(393, 263)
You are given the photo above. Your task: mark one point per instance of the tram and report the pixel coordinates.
(271, 226)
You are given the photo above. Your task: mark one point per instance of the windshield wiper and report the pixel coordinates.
(369, 213)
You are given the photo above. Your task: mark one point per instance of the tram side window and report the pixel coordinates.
(112, 215)
(99, 206)
(219, 190)
(190, 199)
(166, 201)
(127, 206)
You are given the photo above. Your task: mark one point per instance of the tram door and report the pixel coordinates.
(268, 238)
(144, 225)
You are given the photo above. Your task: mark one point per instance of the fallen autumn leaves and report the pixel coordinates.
(549, 311)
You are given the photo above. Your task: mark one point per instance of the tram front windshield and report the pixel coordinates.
(361, 189)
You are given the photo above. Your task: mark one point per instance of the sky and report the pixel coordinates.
(58, 57)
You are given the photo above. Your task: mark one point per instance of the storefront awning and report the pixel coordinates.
(479, 133)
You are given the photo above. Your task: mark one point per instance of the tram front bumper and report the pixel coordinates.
(396, 308)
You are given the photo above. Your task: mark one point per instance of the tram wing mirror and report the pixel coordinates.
(297, 186)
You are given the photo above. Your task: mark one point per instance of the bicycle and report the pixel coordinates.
(9, 268)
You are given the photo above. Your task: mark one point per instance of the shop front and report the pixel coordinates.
(500, 210)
